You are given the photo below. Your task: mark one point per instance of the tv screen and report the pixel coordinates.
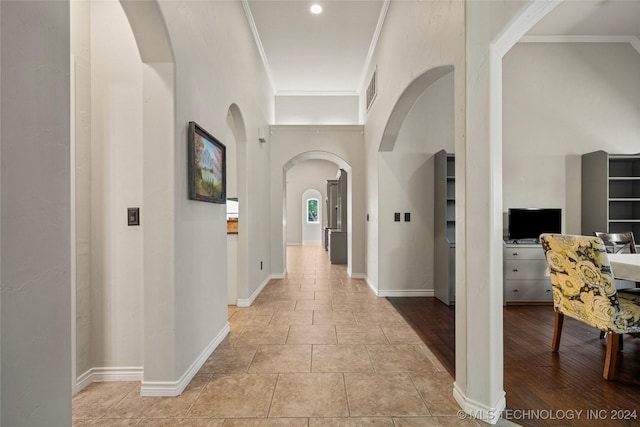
(530, 223)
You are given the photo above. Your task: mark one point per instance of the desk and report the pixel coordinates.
(625, 266)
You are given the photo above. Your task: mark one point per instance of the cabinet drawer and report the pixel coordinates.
(528, 290)
(523, 252)
(529, 269)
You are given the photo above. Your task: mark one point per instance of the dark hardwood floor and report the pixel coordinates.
(534, 377)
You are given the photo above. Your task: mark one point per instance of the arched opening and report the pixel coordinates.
(416, 248)
(123, 111)
(237, 243)
(312, 216)
(340, 164)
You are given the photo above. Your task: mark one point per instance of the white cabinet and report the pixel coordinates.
(524, 275)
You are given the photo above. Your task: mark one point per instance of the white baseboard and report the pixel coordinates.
(279, 275)
(294, 244)
(107, 374)
(175, 388)
(246, 302)
(478, 411)
(407, 293)
(372, 285)
(357, 275)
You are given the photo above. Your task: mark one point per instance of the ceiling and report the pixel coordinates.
(315, 54)
(328, 54)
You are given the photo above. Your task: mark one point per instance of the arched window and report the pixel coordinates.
(312, 211)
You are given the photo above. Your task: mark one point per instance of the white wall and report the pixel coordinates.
(35, 214)
(479, 362)
(311, 231)
(308, 174)
(316, 110)
(80, 32)
(116, 134)
(406, 248)
(562, 100)
(346, 143)
(410, 44)
(201, 34)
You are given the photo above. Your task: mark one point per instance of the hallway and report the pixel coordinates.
(315, 349)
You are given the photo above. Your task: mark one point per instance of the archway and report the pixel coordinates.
(237, 244)
(341, 163)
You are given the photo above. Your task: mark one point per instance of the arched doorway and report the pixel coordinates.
(341, 163)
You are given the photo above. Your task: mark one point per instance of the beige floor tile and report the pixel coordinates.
(383, 395)
(360, 335)
(436, 389)
(351, 422)
(96, 399)
(334, 317)
(233, 358)
(272, 334)
(312, 334)
(292, 317)
(188, 422)
(277, 304)
(400, 333)
(322, 295)
(399, 358)
(132, 405)
(178, 407)
(314, 305)
(309, 395)
(434, 422)
(315, 287)
(281, 358)
(375, 317)
(267, 422)
(241, 395)
(106, 422)
(341, 358)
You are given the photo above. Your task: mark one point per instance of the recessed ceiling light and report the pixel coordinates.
(316, 9)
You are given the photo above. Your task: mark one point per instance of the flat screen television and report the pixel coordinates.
(530, 223)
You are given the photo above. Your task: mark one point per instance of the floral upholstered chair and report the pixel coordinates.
(583, 288)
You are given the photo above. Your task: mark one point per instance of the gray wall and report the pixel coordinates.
(35, 216)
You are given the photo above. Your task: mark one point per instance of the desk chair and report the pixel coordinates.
(583, 288)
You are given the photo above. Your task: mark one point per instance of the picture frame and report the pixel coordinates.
(206, 166)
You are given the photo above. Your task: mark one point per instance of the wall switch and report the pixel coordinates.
(407, 216)
(133, 216)
(396, 217)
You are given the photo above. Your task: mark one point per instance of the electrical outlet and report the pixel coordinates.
(407, 216)
(396, 217)
(260, 265)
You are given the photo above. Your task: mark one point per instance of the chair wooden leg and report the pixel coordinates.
(557, 332)
(612, 352)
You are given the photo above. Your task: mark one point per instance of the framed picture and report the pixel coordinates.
(207, 166)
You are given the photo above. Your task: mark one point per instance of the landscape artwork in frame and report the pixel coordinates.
(207, 170)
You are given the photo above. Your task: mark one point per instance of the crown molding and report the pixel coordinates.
(372, 47)
(632, 40)
(256, 37)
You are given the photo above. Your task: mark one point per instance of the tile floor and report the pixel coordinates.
(317, 349)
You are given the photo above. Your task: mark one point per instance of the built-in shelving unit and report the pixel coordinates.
(444, 227)
(610, 193)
